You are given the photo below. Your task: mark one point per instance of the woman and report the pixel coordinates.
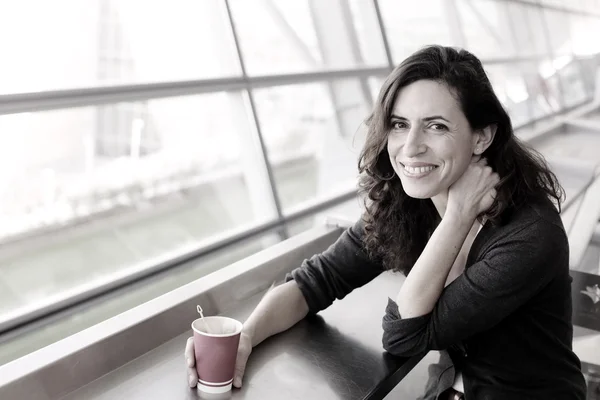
(462, 208)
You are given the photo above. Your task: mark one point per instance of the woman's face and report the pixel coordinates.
(431, 142)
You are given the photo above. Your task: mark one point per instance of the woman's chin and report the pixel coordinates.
(421, 191)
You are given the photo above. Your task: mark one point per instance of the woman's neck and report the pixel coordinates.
(440, 201)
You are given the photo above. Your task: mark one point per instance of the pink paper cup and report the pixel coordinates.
(215, 352)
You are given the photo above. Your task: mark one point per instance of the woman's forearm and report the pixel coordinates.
(280, 309)
(425, 282)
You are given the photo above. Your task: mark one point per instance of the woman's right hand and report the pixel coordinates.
(244, 350)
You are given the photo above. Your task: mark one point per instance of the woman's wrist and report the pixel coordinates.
(460, 216)
(248, 332)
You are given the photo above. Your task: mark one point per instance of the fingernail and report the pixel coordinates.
(237, 383)
(192, 382)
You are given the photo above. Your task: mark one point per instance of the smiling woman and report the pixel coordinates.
(471, 216)
(427, 150)
(438, 109)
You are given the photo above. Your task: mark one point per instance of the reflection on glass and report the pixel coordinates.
(280, 36)
(510, 85)
(124, 183)
(69, 43)
(124, 299)
(558, 31)
(574, 92)
(527, 25)
(313, 134)
(410, 25)
(584, 34)
(375, 84)
(487, 28)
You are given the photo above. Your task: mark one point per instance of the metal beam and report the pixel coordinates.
(58, 99)
(384, 38)
(264, 155)
(69, 98)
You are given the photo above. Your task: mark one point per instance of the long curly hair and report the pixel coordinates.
(397, 227)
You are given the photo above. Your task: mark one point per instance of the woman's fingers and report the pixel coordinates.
(244, 350)
(190, 358)
(190, 362)
(192, 377)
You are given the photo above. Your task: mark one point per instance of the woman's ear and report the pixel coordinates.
(484, 139)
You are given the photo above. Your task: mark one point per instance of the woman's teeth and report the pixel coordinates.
(419, 170)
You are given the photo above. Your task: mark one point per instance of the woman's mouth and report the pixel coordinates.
(417, 172)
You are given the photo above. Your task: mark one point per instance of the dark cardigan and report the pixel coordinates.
(505, 322)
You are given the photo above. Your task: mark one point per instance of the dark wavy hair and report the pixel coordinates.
(397, 227)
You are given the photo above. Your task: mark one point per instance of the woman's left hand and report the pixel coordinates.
(474, 192)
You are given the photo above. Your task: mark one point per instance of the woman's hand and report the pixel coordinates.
(244, 350)
(474, 192)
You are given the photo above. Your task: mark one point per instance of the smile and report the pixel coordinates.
(417, 172)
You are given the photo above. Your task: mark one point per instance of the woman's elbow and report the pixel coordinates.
(400, 347)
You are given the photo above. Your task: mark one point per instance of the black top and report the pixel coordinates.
(505, 322)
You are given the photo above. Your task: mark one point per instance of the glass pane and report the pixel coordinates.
(584, 34)
(35, 337)
(544, 88)
(375, 84)
(558, 29)
(280, 36)
(313, 134)
(528, 90)
(350, 210)
(70, 43)
(412, 24)
(510, 87)
(487, 28)
(529, 32)
(574, 92)
(105, 188)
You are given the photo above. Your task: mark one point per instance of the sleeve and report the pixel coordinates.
(508, 275)
(333, 274)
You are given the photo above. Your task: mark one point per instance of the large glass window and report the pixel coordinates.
(158, 176)
(279, 36)
(413, 24)
(102, 192)
(559, 31)
(574, 92)
(64, 44)
(584, 34)
(511, 88)
(528, 31)
(487, 28)
(313, 134)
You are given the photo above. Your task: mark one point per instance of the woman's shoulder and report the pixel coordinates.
(536, 223)
(539, 214)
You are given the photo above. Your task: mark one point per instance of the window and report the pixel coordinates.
(412, 24)
(279, 36)
(313, 134)
(200, 176)
(558, 31)
(69, 44)
(487, 28)
(528, 29)
(511, 88)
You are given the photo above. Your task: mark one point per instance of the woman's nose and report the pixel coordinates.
(414, 145)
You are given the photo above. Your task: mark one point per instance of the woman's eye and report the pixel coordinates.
(438, 127)
(398, 125)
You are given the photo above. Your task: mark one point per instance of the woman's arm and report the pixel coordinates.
(336, 272)
(512, 270)
(425, 282)
(472, 194)
(280, 309)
